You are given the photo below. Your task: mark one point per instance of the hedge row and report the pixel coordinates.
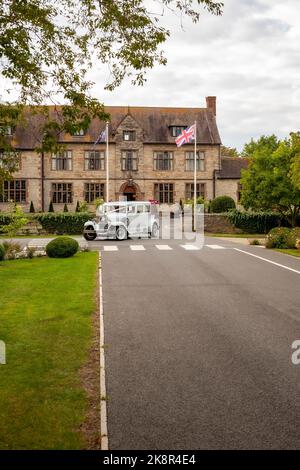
(65, 223)
(58, 223)
(256, 222)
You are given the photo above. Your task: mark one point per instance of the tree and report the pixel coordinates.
(295, 171)
(47, 48)
(268, 143)
(229, 151)
(17, 221)
(267, 184)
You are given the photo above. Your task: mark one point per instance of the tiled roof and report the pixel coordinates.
(155, 123)
(231, 167)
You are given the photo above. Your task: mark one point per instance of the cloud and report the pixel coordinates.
(249, 58)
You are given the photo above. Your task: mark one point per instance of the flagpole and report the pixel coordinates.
(107, 163)
(195, 175)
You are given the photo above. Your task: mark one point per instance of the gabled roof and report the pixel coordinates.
(231, 167)
(155, 123)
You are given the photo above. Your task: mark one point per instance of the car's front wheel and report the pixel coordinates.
(121, 233)
(89, 233)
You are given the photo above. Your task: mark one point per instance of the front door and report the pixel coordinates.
(129, 196)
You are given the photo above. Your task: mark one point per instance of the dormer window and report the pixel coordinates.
(176, 130)
(78, 133)
(128, 136)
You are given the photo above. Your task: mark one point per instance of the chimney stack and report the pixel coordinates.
(211, 103)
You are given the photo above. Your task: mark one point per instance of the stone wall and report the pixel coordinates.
(219, 223)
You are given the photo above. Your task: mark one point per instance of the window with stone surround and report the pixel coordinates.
(13, 191)
(189, 190)
(129, 136)
(164, 193)
(94, 160)
(163, 161)
(175, 131)
(129, 160)
(190, 161)
(62, 193)
(93, 191)
(62, 161)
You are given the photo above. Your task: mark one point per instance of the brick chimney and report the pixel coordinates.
(211, 103)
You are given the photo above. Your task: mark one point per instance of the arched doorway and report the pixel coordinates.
(130, 191)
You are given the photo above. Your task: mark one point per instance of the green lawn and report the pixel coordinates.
(290, 252)
(46, 322)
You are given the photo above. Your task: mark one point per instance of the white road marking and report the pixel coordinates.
(216, 247)
(110, 248)
(269, 261)
(163, 247)
(137, 247)
(190, 247)
(103, 408)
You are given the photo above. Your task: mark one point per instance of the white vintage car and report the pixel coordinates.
(120, 220)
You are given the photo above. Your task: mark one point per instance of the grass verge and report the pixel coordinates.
(289, 252)
(46, 318)
(236, 235)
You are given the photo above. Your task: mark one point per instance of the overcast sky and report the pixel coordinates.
(249, 58)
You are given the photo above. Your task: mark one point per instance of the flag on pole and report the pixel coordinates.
(186, 136)
(101, 138)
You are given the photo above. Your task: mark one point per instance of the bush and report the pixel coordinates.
(280, 237)
(221, 204)
(5, 219)
(62, 247)
(255, 222)
(11, 249)
(294, 237)
(32, 209)
(63, 223)
(2, 252)
(51, 208)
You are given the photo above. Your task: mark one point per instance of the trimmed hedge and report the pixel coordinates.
(63, 223)
(221, 204)
(62, 247)
(255, 222)
(2, 252)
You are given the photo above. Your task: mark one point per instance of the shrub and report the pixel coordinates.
(77, 207)
(62, 247)
(51, 208)
(32, 209)
(255, 222)
(254, 242)
(222, 204)
(63, 223)
(2, 252)
(11, 249)
(66, 208)
(294, 237)
(280, 237)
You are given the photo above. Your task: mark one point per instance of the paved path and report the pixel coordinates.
(199, 346)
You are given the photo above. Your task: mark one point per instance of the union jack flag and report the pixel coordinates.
(186, 136)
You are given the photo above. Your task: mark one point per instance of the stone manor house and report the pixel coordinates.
(144, 162)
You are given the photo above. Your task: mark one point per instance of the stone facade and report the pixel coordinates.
(152, 131)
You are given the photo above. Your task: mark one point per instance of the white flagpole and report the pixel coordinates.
(107, 163)
(195, 174)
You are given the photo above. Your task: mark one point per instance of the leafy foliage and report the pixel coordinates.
(221, 204)
(267, 183)
(282, 237)
(63, 223)
(229, 151)
(62, 247)
(255, 222)
(17, 220)
(264, 143)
